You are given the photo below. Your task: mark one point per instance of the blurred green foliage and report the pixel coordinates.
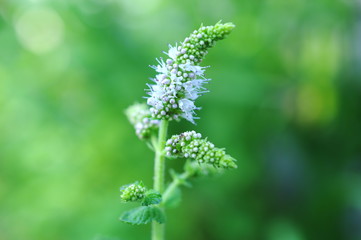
(285, 101)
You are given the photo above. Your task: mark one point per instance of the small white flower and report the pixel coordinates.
(197, 70)
(173, 52)
(173, 76)
(162, 67)
(155, 102)
(138, 125)
(157, 89)
(192, 94)
(188, 116)
(186, 66)
(198, 83)
(186, 105)
(161, 77)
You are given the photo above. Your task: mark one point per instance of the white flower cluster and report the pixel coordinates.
(191, 145)
(180, 80)
(133, 192)
(142, 120)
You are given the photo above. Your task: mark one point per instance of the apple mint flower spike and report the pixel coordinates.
(133, 192)
(180, 80)
(191, 145)
(141, 118)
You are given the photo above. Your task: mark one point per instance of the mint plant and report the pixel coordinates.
(179, 82)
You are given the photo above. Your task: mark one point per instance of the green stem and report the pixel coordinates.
(173, 186)
(159, 170)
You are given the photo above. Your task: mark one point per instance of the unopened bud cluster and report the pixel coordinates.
(142, 120)
(194, 169)
(191, 145)
(133, 192)
(180, 80)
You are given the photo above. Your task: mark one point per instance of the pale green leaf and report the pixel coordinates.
(143, 215)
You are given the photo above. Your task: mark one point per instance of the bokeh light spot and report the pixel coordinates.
(40, 30)
(140, 7)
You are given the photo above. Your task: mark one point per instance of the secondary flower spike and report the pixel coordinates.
(191, 145)
(180, 79)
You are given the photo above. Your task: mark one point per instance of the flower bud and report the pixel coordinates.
(133, 192)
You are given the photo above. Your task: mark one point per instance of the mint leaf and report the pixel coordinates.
(152, 197)
(143, 215)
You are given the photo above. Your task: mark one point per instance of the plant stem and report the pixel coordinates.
(173, 186)
(159, 170)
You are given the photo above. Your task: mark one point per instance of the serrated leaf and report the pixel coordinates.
(173, 199)
(152, 197)
(143, 215)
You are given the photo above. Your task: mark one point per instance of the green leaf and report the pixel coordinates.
(174, 198)
(152, 197)
(143, 215)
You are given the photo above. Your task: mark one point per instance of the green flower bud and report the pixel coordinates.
(194, 48)
(141, 118)
(191, 145)
(133, 192)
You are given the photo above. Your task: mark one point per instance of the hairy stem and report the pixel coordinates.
(159, 170)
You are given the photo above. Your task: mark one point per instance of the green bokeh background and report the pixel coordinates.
(284, 100)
